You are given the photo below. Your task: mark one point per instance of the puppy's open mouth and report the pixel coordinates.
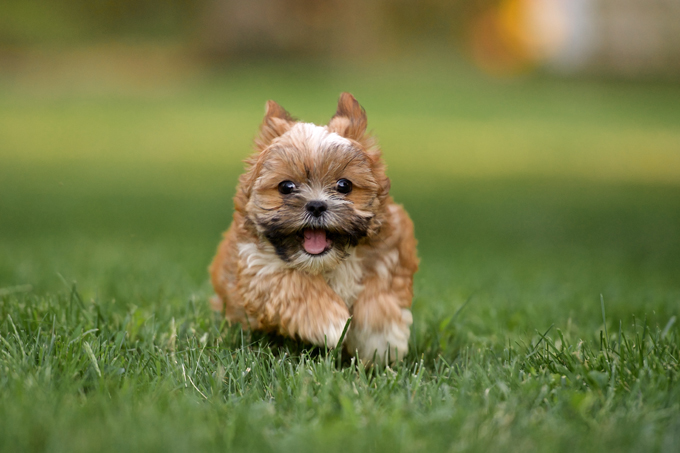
(315, 241)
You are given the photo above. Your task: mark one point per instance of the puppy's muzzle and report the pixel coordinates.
(316, 208)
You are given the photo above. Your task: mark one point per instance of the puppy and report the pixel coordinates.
(317, 239)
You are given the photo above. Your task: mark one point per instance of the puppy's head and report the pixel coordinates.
(312, 191)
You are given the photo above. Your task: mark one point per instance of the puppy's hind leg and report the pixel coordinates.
(216, 304)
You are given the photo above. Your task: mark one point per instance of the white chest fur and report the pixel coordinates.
(345, 279)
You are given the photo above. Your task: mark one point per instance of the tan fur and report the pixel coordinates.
(287, 291)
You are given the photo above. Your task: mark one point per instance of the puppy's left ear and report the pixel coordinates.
(277, 121)
(350, 119)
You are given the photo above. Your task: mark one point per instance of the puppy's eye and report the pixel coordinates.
(286, 187)
(344, 186)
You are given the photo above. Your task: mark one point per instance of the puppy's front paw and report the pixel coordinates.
(333, 332)
(386, 345)
(320, 327)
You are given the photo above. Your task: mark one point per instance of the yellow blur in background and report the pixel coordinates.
(631, 38)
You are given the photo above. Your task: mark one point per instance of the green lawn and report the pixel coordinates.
(534, 200)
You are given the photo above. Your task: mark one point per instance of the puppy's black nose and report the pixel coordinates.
(316, 208)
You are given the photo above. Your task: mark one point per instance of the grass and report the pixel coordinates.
(545, 311)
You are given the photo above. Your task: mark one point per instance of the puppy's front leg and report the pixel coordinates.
(297, 304)
(381, 322)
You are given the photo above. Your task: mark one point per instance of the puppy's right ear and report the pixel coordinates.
(276, 122)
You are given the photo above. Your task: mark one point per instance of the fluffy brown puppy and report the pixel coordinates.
(316, 238)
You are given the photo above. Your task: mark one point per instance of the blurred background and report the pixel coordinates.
(536, 143)
(634, 38)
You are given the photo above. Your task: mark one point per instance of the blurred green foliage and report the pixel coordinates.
(40, 22)
(200, 22)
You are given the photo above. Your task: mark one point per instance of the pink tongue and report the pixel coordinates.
(315, 241)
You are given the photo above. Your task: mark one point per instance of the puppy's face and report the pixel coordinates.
(315, 192)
